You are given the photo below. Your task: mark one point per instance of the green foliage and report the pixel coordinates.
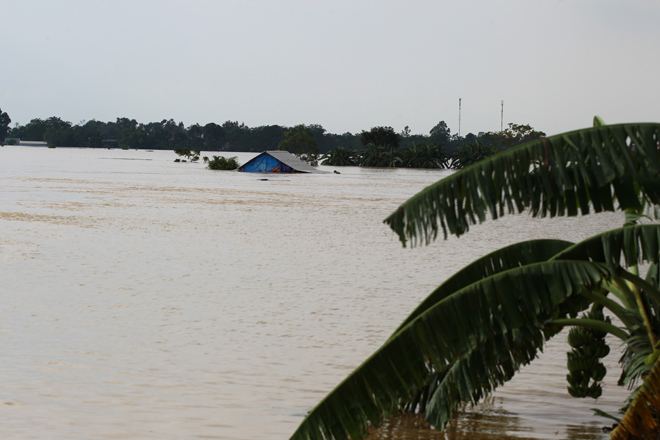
(424, 156)
(566, 174)
(300, 141)
(514, 134)
(231, 135)
(222, 163)
(384, 137)
(379, 156)
(5, 120)
(340, 156)
(469, 154)
(476, 330)
(440, 133)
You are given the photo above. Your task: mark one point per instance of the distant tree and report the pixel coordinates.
(381, 137)
(214, 136)
(235, 135)
(36, 128)
(266, 137)
(58, 133)
(440, 133)
(134, 138)
(379, 156)
(88, 134)
(340, 156)
(5, 120)
(514, 134)
(195, 131)
(469, 154)
(299, 140)
(324, 142)
(424, 156)
(195, 137)
(348, 140)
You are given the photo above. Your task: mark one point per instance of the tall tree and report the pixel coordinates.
(5, 120)
(299, 140)
(214, 136)
(514, 134)
(440, 133)
(380, 137)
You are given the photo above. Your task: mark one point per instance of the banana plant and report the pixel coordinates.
(479, 327)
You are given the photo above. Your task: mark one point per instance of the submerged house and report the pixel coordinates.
(277, 161)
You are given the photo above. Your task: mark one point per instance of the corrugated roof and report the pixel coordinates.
(290, 160)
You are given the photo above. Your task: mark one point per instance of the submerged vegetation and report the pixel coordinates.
(477, 329)
(190, 155)
(380, 148)
(377, 147)
(222, 163)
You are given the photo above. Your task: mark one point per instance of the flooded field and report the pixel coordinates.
(146, 299)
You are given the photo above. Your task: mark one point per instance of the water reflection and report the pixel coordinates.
(486, 421)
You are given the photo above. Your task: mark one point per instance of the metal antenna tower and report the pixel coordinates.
(459, 117)
(502, 117)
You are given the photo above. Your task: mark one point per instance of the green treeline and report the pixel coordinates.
(378, 147)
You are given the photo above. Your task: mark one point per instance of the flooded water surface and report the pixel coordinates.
(146, 299)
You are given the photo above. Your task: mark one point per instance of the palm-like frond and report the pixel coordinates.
(503, 329)
(474, 332)
(642, 418)
(634, 244)
(509, 257)
(566, 174)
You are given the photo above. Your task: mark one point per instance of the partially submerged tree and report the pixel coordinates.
(299, 140)
(340, 156)
(384, 137)
(190, 155)
(222, 163)
(475, 331)
(5, 120)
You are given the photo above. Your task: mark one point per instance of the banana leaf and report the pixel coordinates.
(562, 175)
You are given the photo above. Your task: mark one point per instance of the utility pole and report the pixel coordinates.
(502, 117)
(459, 117)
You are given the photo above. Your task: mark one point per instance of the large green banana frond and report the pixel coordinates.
(634, 244)
(493, 323)
(509, 257)
(565, 174)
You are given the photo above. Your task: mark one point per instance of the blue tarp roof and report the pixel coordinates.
(277, 161)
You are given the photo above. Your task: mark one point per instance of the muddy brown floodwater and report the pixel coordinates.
(146, 299)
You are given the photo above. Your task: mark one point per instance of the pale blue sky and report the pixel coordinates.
(347, 65)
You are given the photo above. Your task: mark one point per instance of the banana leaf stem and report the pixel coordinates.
(595, 324)
(650, 291)
(617, 309)
(623, 294)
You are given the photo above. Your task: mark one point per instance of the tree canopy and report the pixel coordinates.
(5, 120)
(380, 137)
(300, 141)
(169, 134)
